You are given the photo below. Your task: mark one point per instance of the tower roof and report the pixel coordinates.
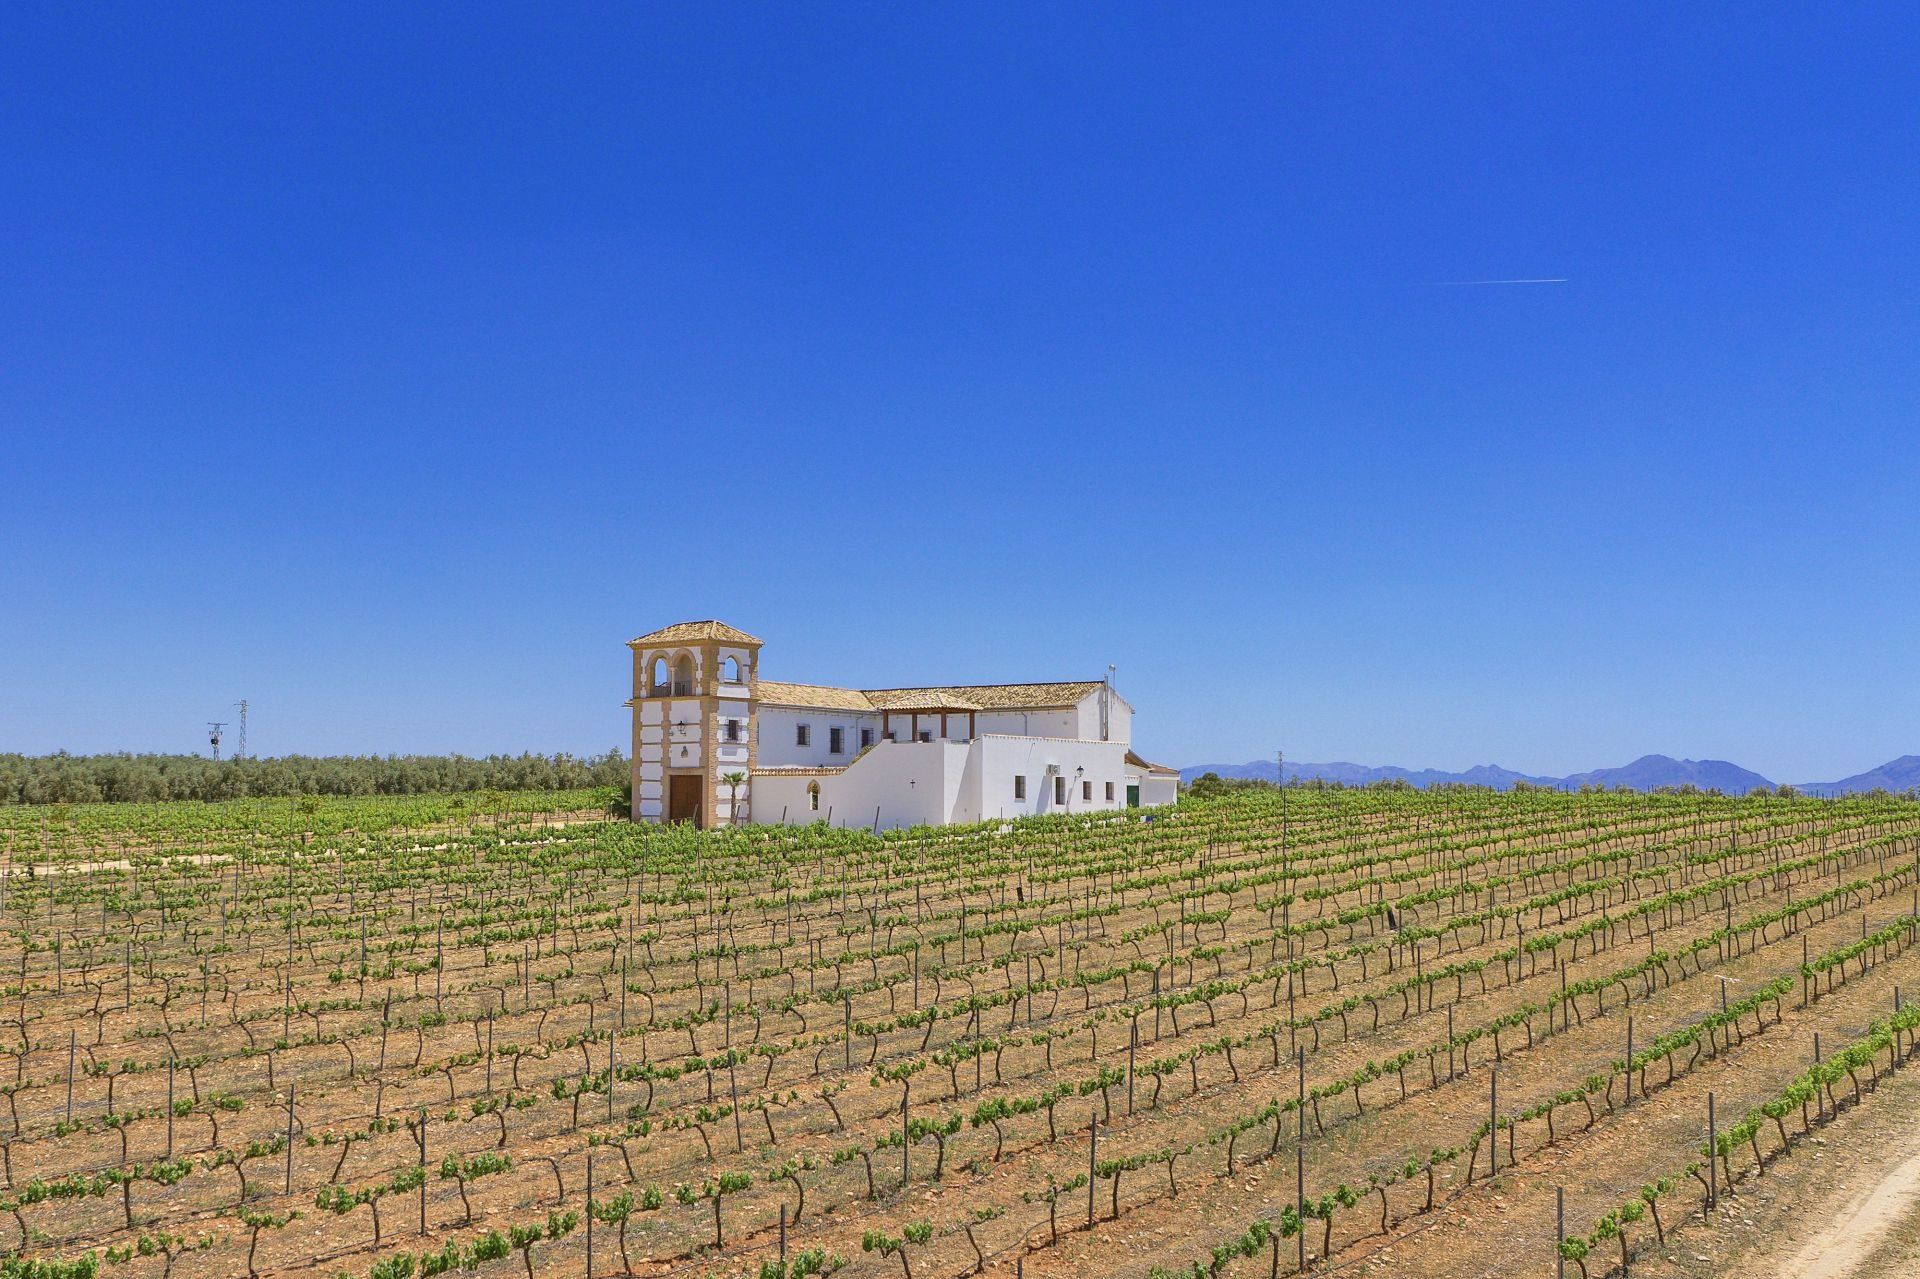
(695, 632)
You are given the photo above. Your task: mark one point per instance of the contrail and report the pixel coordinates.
(1442, 284)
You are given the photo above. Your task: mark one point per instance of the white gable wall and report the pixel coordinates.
(1086, 718)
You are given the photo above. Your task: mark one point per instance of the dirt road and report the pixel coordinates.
(1849, 1243)
(1846, 1206)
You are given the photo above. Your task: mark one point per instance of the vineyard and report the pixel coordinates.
(383, 1038)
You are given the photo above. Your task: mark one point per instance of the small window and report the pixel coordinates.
(1086, 790)
(1059, 790)
(730, 670)
(866, 738)
(733, 730)
(837, 740)
(803, 734)
(1109, 792)
(813, 798)
(1019, 788)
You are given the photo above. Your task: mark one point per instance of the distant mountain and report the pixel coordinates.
(1895, 775)
(1362, 774)
(1649, 772)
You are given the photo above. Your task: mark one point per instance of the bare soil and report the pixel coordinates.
(517, 1008)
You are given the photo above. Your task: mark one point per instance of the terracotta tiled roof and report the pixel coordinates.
(951, 697)
(990, 697)
(777, 693)
(1150, 766)
(922, 699)
(693, 632)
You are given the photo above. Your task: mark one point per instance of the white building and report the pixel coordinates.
(714, 743)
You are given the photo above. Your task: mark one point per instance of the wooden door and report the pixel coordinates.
(1133, 797)
(683, 798)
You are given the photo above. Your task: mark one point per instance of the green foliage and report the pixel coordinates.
(150, 779)
(808, 1262)
(396, 1267)
(481, 1165)
(453, 1257)
(84, 1267)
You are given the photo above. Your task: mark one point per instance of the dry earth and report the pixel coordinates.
(1844, 1206)
(514, 1006)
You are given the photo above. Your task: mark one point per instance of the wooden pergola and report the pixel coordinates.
(930, 704)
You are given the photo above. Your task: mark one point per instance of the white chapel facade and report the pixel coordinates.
(714, 744)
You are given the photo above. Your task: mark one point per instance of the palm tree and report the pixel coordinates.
(733, 782)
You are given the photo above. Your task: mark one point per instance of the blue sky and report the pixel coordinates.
(391, 368)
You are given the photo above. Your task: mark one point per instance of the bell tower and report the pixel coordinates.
(693, 723)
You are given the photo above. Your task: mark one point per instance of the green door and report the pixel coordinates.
(1133, 797)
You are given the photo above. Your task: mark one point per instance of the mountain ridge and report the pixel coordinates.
(1894, 775)
(1649, 772)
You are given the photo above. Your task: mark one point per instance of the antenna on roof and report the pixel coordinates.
(213, 735)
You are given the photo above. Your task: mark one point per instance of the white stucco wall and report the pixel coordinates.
(1057, 723)
(1158, 789)
(1080, 722)
(916, 783)
(926, 783)
(777, 747)
(1084, 719)
(1003, 758)
(908, 783)
(781, 798)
